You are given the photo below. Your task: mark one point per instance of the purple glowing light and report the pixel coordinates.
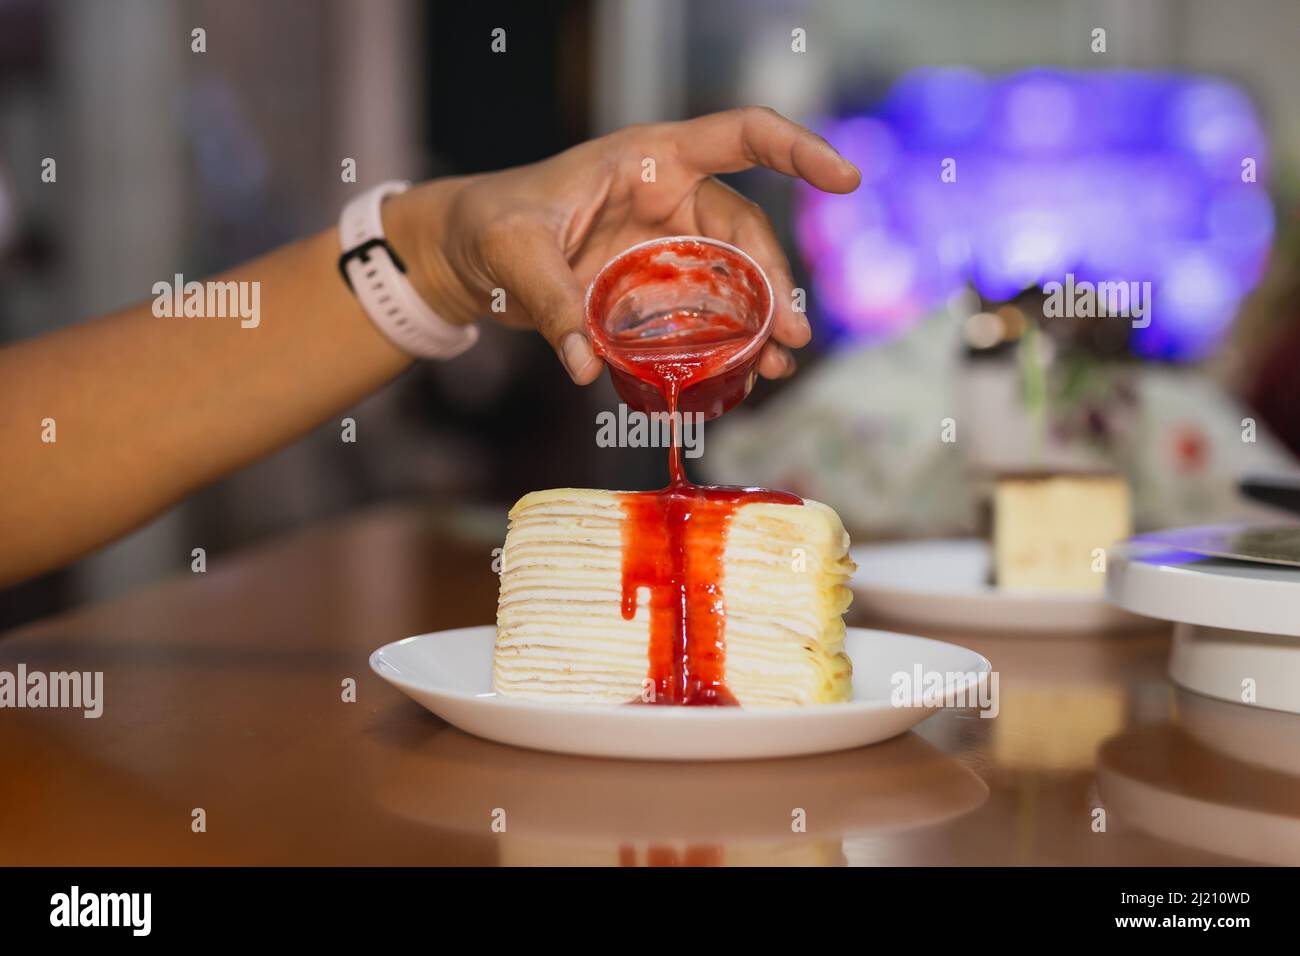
(1108, 175)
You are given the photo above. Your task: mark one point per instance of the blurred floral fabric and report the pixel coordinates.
(898, 438)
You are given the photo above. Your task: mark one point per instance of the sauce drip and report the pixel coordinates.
(673, 543)
(674, 539)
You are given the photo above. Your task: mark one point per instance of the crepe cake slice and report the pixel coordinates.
(562, 637)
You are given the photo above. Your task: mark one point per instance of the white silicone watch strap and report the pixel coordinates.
(384, 292)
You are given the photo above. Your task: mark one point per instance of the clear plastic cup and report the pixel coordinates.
(682, 296)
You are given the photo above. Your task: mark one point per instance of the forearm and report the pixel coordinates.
(147, 409)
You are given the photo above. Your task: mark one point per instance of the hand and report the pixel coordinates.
(541, 232)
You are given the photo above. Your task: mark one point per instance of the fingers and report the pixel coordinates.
(535, 273)
(758, 136)
(775, 362)
(723, 213)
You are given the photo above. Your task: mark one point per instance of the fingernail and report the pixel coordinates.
(576, 353)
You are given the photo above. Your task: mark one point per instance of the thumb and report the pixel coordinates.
(537, 275)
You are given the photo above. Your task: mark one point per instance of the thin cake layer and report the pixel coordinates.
(561, 634)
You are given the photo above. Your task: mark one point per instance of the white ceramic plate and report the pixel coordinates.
(1236, 620)
(1214, 592)
(450, 673)
(945, 584)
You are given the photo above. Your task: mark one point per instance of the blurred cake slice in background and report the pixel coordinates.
(562, 636)
(1049, 530)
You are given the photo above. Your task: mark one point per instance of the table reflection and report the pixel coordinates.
(552, 809)
(1220, 777)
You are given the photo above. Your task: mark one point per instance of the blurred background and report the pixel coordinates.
(1163, 149)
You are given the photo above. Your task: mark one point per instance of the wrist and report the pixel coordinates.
(415, 224)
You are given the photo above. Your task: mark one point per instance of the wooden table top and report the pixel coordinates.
(223, 691)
